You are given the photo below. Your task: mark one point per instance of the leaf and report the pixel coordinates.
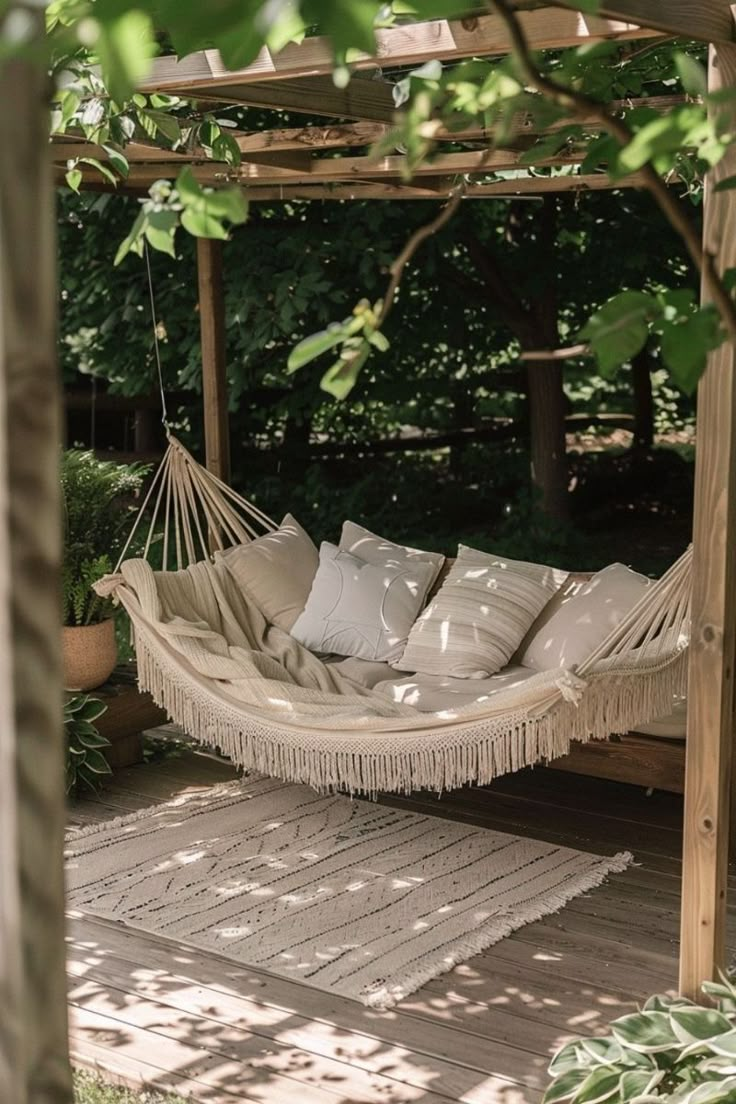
(724, 1045)
(165, 124)
(340, 379)
(725, 185)
(713, 1092)
(161, 229)
(313, 346)
(692, 74)
(74, 178)
(564, 1086)
(598, 1086)
(645, 1032)
(686, 344)
(97, 762)
(125, 47)
(227, 203)
(695, 1024)
(202, 224)
(117, 159)
(103, 169)
(129, 242)
(619, 329)
(379, 341)
(187, 187)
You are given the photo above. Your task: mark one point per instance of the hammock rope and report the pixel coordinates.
(203, 514)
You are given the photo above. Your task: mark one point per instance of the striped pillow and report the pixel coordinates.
(479, 616)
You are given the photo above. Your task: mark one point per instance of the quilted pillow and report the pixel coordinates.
(367, 546)
(585, 619)
(276, 571)
(361, 609)
(478, 618)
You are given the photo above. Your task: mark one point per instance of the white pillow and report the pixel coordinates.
(367, 546)
(585, 619)
(361, 609)
(276, 571)
(479, 616)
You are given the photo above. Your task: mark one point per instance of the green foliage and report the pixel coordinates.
(99, 502)
(357, 336)
(86, 764)
(204, 212)
(672, 1050)
(687, 332)
(91, 1089)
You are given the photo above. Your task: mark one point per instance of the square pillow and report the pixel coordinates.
(585, 619)
(367, 546)
(276, 571)
(361, 609)
(478, 618)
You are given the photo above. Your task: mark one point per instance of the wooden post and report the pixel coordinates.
(34, 1067)
(214, 377)
(713, 648)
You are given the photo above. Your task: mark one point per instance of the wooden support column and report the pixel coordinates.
(34, 1067)
(709, 756)
(214, 376)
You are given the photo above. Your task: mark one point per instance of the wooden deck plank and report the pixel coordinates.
(201, 1023)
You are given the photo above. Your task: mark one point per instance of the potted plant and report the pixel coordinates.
(98, 497)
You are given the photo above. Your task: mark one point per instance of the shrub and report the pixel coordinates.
(86, 764)
(673, 1050)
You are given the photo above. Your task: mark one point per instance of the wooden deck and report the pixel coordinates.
(149, 1011)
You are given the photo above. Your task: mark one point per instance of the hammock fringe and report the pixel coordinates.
(476, 751)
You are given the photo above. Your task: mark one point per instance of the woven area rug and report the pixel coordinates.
(348, 896)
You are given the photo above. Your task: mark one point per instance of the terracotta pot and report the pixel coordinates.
(90, 653)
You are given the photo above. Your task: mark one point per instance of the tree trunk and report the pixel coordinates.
(643, 402)
(548, 444)
(34, 1067)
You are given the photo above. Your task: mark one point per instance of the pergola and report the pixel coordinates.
(327, 161)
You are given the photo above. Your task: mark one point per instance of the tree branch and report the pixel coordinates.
(583, 106)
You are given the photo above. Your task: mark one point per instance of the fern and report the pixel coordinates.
(100, 499)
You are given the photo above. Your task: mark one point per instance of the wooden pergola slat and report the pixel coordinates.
(706, 20)
(446, 40)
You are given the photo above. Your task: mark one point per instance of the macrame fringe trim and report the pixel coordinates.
(473, 751)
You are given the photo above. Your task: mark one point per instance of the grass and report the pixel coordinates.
(89, 1089)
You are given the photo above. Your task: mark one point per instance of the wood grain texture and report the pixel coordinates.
(638, 759)
(214, 367)
(31, 386)
(445, 40)
(706, 20)
(153, 1011)
(713, 638)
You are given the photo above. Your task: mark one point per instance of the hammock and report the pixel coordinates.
(233, 681)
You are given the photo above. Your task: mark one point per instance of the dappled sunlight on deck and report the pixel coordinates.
(150, 1010)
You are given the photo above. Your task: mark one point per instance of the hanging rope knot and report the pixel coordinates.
(571, 687)
(107, 585)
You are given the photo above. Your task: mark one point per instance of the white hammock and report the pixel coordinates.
(231, 680)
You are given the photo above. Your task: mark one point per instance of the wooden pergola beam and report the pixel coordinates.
(271, 146)
(705, 20)
(446, 40)
(710, 717)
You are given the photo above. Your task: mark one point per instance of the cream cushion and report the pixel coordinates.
(479, 616)
(367, 546)
(437, 694)
(276, 571)
(361, 609)
(585, 619)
